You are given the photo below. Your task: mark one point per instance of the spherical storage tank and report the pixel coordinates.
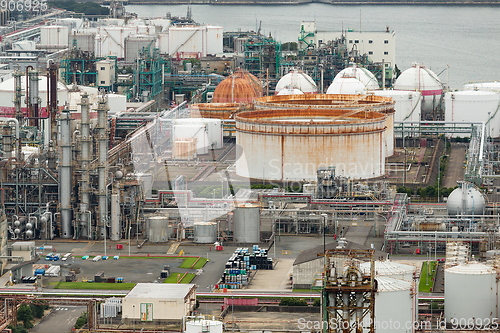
(361, 74)
(234, 90)
(470, 292)
(291, 144)
(205, 326)
(395, 305)
(7, 92)
(407, 104)
(158, 229)
(290, 91)
(390, 269)
(346, 85)
(247, 223)
(205, 232)
(298, 80)
(471, 105)
(419, 78)
(465, 200)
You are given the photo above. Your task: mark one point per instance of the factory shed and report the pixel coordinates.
(159, 302)
(308, 266)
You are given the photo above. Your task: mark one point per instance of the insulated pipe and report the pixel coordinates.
(65, 174)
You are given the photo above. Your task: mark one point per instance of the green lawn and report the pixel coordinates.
(422, 286)
(173, 278)
(87, 285)
(188, 262)
(200, 263)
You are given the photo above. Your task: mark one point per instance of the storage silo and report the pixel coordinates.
(158, 230)
(205, 232)
(395, 306)
(470, 293)
(407, 104)
(419, 78)
(205, 326)
(473, 106)
(247, 223)
(391, 269)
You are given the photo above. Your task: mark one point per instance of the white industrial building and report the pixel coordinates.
(159, 302)
(380, 46)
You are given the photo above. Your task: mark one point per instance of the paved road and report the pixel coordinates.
(455, 169)
(60, 319)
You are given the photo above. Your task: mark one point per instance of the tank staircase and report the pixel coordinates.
(173, 248)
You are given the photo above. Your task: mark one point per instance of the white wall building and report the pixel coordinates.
(159, 302)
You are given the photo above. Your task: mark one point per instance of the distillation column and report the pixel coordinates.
(34, 95)
(102, 138)
(65, 174)
(86, 144)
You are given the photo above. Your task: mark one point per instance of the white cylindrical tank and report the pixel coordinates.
(188, 41)
(389, 268)
(419, 78)
(408, 104)
(214, 39)
(471, 105)
(484, 86)
(395, 306)
(54, 36)
(362, 74)
(205, 232)
(208, 132)
(298, 80)
(346, 85)
(247, 223)
(162, 42)
(7, 96)
(465, 200)
(24, 45)
(470, 292)
(205, 326)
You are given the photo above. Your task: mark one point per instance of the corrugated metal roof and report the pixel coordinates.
(387, 267)
(386, 283)
(471, 268)
(160, 290)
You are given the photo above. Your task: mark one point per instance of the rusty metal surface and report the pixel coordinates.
(218, 110)
(234, 90)
(292, 144)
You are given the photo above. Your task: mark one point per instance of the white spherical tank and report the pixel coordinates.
(395, 309)
(346, 85)
(390, 269)
(408, 104)
(247, 223)
(471, 105)
(205, 326)
(290, 91)
(419, 78)
(299, 80)
(205, 232)
(7, 92)
(465, 200)
(470, 292)
(362, 74)
(291, 144)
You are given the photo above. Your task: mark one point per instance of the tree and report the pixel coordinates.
(38, 310)
(17, 329)
(24, 314)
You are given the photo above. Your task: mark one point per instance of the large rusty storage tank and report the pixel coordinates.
(217, 110)
(336, 101)
(291, 144)
(247, 223)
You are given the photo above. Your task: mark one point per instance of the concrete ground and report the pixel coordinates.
(275, 321)
(455, 169)
(275, 279)
(60, 319)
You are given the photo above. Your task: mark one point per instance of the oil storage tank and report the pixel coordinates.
(205, 232)
(247, 223)
(362, 74)
(203, 325)
(473, 106)
(395, 305)
(407, 105)
(298, 80)
(292, 144)
(389, 268)
(158, 230)
(470, 293)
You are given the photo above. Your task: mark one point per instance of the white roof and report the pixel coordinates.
(471, 268)
(386, 283)
(493, 86)
(397, 93)
(387, 267)
(418, 78)
(290, 91)
(349, 86)
(297, 79)
(160, 290)
(8, 85)
(362, 74)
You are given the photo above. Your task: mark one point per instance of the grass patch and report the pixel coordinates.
(200, 263)
(422, 286)
(87, 285)
(314, 291)
(188, 262)
(173, 278)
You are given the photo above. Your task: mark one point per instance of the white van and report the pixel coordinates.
(66, 257)
(97, 258)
